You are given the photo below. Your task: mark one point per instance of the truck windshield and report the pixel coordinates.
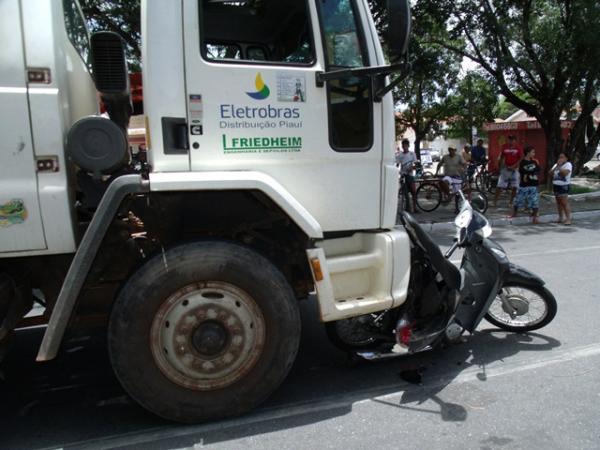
(77, 29)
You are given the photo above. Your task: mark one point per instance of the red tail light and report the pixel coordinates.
(404, 333)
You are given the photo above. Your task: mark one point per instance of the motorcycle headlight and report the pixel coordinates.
(464, 218)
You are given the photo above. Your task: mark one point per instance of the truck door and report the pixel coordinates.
(20, 219)
(253, 102)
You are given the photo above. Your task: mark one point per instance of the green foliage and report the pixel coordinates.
(121, 17)
(423, 96)
(472, 104)
(545, 49)
(504, 109)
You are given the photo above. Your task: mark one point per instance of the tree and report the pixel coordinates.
(544, 48)
(121, 17)
(422, 96)
(504, 109)
(472, 105)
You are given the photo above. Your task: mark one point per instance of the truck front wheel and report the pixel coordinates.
(204, 331)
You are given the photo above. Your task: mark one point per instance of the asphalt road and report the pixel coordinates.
(496, 390)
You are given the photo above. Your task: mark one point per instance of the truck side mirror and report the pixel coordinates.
(399, 26)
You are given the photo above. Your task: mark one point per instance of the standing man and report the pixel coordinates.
(406, 160)
(508, 161)
(528, 196)
(479, 153)
(454, 166)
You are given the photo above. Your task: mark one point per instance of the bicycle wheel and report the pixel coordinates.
(481, 181)
(491, 184)
(478, 200)
(429, 197)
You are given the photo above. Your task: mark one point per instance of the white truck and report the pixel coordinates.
(270, 174)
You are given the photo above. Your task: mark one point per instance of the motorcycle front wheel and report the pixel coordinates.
(524, 308)
(351, 334)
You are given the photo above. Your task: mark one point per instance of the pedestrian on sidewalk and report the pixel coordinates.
(527, 195)
(508, 161)
(454, 166)
(407, 161)
(561, 183)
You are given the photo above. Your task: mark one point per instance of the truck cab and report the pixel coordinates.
(270, 174)
(45, 86)
(243, 79)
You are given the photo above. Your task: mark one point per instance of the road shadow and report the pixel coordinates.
(456, 362)
(76, 402)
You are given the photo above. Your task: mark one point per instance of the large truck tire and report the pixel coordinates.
(204, 331)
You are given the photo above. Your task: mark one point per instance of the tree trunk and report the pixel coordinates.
(577, 148)
(554, 142)
(418, 147)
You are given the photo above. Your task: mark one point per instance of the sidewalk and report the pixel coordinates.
(582, 206)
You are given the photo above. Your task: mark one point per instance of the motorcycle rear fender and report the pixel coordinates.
(519, 275)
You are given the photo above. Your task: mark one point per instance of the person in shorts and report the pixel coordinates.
(508, 161)
(561, 182)
(527, 195)
(406, 161)
(454, 166)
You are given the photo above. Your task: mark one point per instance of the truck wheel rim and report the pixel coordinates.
(207, 335)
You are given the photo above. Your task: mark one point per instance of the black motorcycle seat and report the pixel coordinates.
(420, 237)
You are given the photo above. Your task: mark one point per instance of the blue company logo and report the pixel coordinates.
(262, 90)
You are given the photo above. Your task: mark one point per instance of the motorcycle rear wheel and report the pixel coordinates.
(523, 300)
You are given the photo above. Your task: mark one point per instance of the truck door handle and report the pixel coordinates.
(175, 136)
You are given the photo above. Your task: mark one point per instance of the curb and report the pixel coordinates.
(503, 222)
(574, 197)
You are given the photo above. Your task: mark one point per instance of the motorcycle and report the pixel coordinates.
(444, 301)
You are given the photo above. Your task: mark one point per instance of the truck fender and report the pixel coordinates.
(239, 180)
(84, 257)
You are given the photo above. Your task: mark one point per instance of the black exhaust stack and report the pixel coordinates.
(111, 75)
(96, 144)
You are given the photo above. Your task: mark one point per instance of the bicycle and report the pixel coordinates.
(429, 196)
(484, 179)
(404, 195)
(421, 173)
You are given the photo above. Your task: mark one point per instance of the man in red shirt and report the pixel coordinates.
(508, 161)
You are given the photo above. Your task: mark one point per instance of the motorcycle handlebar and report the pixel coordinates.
(451, 250)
